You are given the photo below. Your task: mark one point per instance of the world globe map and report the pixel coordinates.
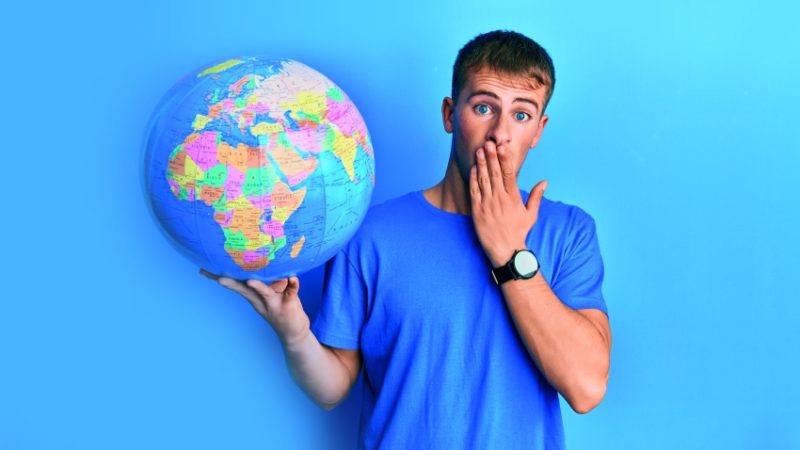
(257, 168)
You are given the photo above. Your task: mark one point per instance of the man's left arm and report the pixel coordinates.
(572, 348)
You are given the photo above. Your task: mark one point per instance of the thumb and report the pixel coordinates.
(292, 287)
(278, 285)
(535, 198)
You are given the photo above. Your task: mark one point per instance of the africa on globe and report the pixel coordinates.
(257, 168)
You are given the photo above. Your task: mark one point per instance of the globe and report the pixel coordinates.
(257, 168)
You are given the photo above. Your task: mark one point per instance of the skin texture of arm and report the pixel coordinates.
(325, 374)
(570, 347)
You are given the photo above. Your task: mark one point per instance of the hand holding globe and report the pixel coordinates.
(261, 169)
(278, 303)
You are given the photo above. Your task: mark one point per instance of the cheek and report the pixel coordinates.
(515, 154)
(464, 141)
(470, 128)
(466, 157)
(519, 158)
(530, 135)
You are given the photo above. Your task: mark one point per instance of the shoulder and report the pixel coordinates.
(392, 211)
(387, 219)
(564, 215)
(383, 233)
(563, 228)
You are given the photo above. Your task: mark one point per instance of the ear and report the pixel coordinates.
(447, 114)
(542, 124)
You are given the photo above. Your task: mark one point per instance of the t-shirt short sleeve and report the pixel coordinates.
(341, 315)
(579, 279)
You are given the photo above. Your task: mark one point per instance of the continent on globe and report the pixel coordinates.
(258, 168)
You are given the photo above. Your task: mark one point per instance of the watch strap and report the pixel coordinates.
(502, 274)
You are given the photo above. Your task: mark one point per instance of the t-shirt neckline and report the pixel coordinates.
(420, 197)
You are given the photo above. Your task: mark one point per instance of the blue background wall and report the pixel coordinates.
(673, 123)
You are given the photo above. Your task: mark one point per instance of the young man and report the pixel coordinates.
(470, 305)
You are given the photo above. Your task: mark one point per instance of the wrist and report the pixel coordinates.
(501, 256)
(522, 265)
(295, 342)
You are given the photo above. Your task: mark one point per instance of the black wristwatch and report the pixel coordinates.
(522, 266)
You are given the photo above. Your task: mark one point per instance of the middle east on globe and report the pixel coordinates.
(258, 168)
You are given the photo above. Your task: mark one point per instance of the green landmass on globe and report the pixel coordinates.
(270, 152)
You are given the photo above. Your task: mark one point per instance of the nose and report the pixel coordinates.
(499, 132)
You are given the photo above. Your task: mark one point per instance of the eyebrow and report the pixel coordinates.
(496, 97)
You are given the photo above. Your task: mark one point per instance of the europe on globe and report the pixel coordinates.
(257, 168)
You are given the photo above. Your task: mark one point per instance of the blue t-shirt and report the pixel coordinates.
(444, 366)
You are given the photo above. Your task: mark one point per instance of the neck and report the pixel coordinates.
(451, 194)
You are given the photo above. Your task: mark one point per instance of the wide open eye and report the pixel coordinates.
(482, 109)
(521, 116)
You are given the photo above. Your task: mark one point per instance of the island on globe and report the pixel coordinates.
(257, 168)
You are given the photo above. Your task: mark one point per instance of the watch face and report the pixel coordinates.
(525, 264)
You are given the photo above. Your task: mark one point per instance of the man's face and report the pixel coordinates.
(505, 109)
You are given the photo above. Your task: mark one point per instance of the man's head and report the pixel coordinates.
(507, 53)
(502, 82)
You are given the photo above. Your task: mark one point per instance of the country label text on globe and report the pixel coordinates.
(258, 167)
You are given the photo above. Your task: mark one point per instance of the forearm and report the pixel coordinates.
(568, 348)
(324, 373)
(318, 370)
